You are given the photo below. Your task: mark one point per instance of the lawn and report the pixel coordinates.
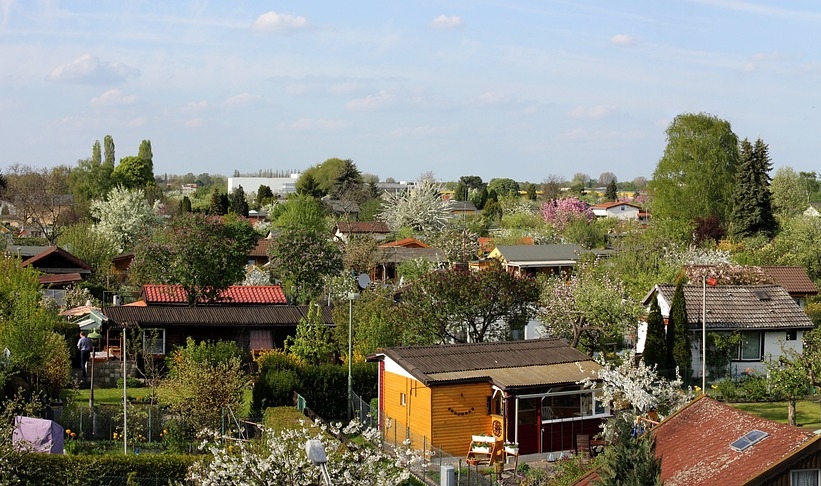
(109, 396)
(808, 413)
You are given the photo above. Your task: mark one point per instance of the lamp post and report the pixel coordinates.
(95, 338)
(351, 297)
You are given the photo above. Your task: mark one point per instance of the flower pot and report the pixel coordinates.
(483, 438)
(511, 450)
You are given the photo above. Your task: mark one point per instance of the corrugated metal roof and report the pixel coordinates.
(741, 307)
(508, 363)
(278, 315)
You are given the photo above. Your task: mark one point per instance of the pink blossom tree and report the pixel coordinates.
(561, 212)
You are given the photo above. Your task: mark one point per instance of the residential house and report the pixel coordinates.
(814, 209)
(709, 443)
(377, 230)
(519, 391)
(388, 256)
(339, 209)
(766, 316)
(58, 268)
(557, 259)
(616, 209)
(793, 279)
(462, 208)
(257, 318)
(487, 244)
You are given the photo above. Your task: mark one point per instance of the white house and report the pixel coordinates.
(278, 185)
(766, 316)
(620, 210)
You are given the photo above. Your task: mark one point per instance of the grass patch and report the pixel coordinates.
(807, 413)
(108, 396)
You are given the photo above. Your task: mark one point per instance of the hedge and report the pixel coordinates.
(102, 470)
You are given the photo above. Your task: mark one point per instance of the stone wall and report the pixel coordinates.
(106, 373)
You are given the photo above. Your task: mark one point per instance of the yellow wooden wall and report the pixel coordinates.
(415, 414)
(459, 411)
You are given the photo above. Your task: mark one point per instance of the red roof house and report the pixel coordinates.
(154, 294)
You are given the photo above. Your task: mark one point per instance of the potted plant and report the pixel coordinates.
(511, 447)
(483, 438)
(480, 447)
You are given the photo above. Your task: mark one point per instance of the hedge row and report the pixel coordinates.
(324, 387)
(94, 470)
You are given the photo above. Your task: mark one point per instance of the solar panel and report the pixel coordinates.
(748, 440)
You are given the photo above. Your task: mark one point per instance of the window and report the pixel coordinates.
(792, 335)
(747, 440)
(750, 347)
(403, 399)
(805, 477)
(154, 341)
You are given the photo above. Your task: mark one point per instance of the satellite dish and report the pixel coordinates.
(363, 280)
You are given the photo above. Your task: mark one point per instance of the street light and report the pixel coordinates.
(704, 281)
(351, 297)
(95, 338)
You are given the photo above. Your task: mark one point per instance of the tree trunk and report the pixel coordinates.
(791, 412)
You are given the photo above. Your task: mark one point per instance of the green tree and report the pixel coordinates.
(312, 341)
(300, 212)
(587, 310)
(612, 192)
(91, 179)
(108, 151)
(420, 208)
(679, 353)
(185, 205)
(307, 185)
(461, 306)
(134, 172)
(696, 174)
(191, 389)
(264, 196)
(752, 212)
(91, 246)
(202, 254)
(504, 187)
(41, 197)
(237, 203)
(301, 258)
(797, 244)
(787, 377)
(376, 323)
(38, 354)
(655, 343)
(218, 203)
(629, 460)
(789, 194)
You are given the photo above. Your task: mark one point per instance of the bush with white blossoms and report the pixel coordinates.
(279, 458)
(638, 386)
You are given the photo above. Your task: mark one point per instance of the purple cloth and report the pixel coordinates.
(38, 435)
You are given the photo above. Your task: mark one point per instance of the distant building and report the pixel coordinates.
(278, 185)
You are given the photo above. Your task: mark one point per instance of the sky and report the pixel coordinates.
(523, 89)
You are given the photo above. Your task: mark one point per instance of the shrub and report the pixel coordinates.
(62, 470)
(131, 382)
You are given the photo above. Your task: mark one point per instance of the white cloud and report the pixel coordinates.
(277, 22)
(623, 40)
(447, 22)
(193, 123)
(113, 97)
(383, 99)
(88, 69)
(241, 99)
(196, 106)
(596, 112)
(309, 125)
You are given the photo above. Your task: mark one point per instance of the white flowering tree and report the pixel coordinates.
(420, 208)
(123, 215)
(279, 458)
(633, 388)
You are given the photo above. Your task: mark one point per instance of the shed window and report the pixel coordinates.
(750, 347)
(403, 399)
(792, 335)
(154, 341)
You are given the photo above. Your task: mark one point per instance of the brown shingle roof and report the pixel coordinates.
(363, 227)
(509, 364)
(261, 249)
(739, 307)
(794, 279)
(280, 315)
(56, 258)
(154, 294)
(405, 243)
(694, 444)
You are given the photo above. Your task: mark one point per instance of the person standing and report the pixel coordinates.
(85, 346)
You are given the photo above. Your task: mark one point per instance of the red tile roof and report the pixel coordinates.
(405, 243)
(694, 445)
(794, 279)
(233, 295)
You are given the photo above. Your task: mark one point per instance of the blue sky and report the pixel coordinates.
(511, 88)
